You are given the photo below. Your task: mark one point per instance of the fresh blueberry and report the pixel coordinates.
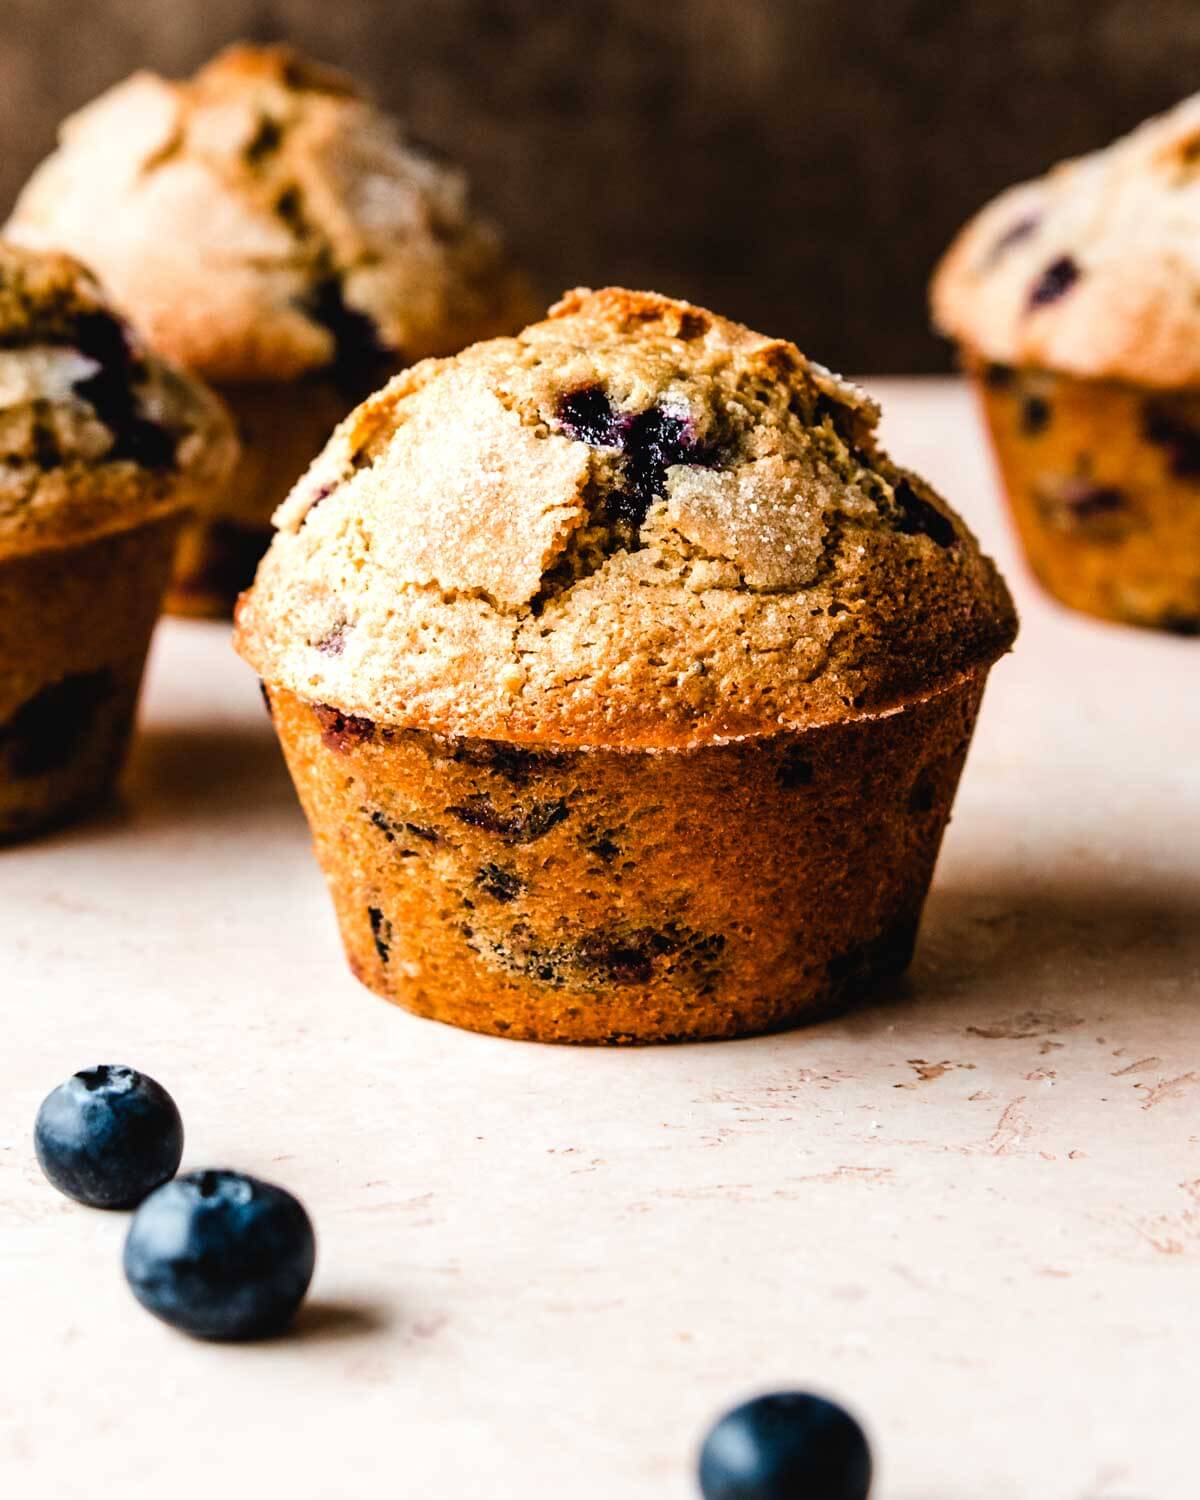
(789, 1446)
(220, 1255)
(108, 1136)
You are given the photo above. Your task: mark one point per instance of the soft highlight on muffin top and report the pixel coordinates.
(635, 523)
(96, 435)
(263, 220)
(1092, 270)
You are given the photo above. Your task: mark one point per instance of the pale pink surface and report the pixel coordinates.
(973, 1213)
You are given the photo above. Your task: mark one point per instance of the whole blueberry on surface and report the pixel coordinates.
(220, 1255)
(108, 1136)
(789, 1446)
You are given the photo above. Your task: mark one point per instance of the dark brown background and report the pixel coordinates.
(798, 165)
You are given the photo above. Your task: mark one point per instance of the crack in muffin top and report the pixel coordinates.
(633, 524)
(1092, 270)
(264, 220)
(96, 434)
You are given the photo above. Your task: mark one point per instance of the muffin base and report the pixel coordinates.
(282, 428)
(607, 896)
(75, 626)
(1104, 484)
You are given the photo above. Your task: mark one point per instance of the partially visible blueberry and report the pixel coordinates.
(108, 1136)
(587, 415)
(1177, 435)
(361, 358)
(112, 395)
(221, 1255)
(918, 517)
(1058, 277)
(1035, 415)
(51, 728)
(1023, 227)
(789, 1446)
(655, 441)
(652, 440)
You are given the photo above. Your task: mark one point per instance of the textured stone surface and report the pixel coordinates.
(972, 1213)
(728, 153)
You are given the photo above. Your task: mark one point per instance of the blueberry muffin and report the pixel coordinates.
(265, 226)
(102, 447)
(625, 682)
(1075, 304)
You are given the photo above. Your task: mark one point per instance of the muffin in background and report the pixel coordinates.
(625, 682)
(102, 447)
(267, 227)
(1075, 304)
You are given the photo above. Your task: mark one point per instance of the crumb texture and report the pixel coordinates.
(1092, 270)
(96, 434)
(634, 524)
(263, 220)
(614, 897)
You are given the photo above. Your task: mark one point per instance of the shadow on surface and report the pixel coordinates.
(1011, 956)
(321, 1321)
(188, 775)
(204, 773)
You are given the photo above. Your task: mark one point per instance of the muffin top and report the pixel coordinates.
(96, 435)
(1092, 270)
(263, 220)
(634, 524)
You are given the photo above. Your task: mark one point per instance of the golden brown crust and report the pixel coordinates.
(602, 896)
(96, 434)
(1104, 484)
(263, 219)
(1091, 270)
(636, 523)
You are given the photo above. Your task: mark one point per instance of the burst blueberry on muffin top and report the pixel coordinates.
(96, 435)
(263, 220)
(635, 523)
(1091, 270)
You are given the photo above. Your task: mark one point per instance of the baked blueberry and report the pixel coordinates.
(361, 360)
(789, 1446)
(652, 440)
(1026, 225)
(587, 415)
(655, 441)
(1058, 277)
(918, 517)
(52, 726)
(111, 393)
(220, 1255)
(108, 1136)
